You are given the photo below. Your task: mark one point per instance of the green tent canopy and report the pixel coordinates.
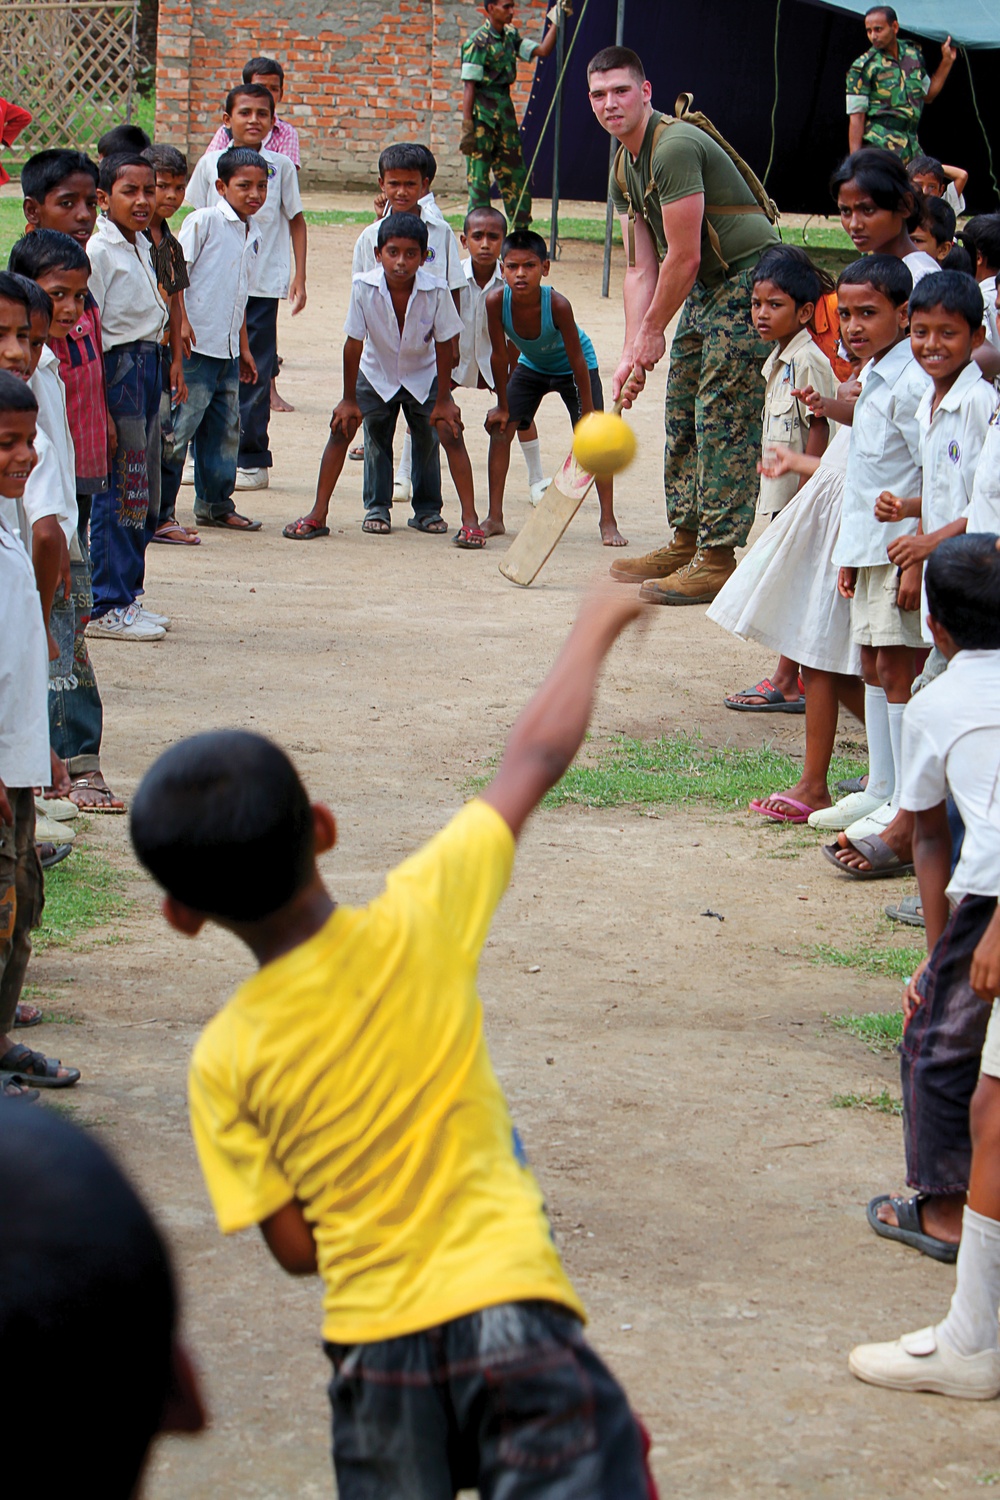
(969, 23)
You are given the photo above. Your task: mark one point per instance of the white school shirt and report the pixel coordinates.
(24, 670)
(951, 741)
(954, 198)
(475, 349)
(984, 508)
(444, 256)
(391, 358)
(950, 444)
(884, 455)
(124, 285)
(221, 252)
(786, 419)
(273, 267)
(920, 264)
(989, 291)
(51, 486)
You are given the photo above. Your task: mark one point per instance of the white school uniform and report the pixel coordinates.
(784, 592)
(786, 419)
(24, 671)
(984, 507)
(272, 269)
(444, 255)
(51, 486)
(920, 264)
(954, 198)
(884, 455)
(475, 349)
(392, 358)
(124, 285)
(221, 253)
(989, 291)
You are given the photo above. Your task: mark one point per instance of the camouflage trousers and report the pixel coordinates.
(712, 415)
(901, 143)
(498, 149)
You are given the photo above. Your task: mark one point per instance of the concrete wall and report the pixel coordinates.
(357, 75)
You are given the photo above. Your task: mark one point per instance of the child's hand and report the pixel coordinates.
(816, 403)
(497, 421)
(984, 975)
(379, 204)
(178, 385)
(446, 414)
(849, 389)
(346, 419)
(248, 368)
(912, 999)
(297, 294)
(908, 551)
(889, 507)
(847, 579)
(188, 339)
(908, 593)
(777, 460)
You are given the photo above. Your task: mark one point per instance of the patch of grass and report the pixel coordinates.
(883, 962)
(84, 892)
(880, 1104)
(881, 1030)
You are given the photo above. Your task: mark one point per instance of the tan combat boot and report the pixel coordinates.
(698, 583)
(658, 564)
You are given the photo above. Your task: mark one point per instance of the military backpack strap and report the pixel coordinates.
(619, 175)
(683, 111)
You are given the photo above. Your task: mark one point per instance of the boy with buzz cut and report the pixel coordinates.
(555, 355)
(249, 116)
(344, 1102)
(221, 245)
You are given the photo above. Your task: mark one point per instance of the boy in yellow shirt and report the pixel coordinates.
(344, 1101)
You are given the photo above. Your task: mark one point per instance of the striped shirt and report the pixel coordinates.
(284, 139)
(81, 367)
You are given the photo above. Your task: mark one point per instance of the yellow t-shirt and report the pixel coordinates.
(352, 1074)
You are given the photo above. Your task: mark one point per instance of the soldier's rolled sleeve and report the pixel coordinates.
(527, 50)
(472, 72)
(857, 104)
(857, 99)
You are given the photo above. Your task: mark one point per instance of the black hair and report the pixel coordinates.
(223, 823)
(791, 270)
(483, 209)
(883, 177)
(12, 289)
(938, 218)
(167, 159)
(113, 167)
(886, 273)
(962, 579)
(15, 395)
(231, 161)
(123, 138)
(430, 162)
(982, 234)
(263, 67)
(525, 239)
(956, 293)
(44, 171)
(39, 300)
(959, 259)
(610, 58)
(252, 91)
(80, 1246)
(927, 166)
(891, 17)
(47, 250)
(403, 158)
(401, 227)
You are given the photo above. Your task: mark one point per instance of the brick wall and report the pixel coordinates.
(357, 76)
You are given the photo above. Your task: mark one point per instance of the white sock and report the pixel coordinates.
(881, 777)
(971, 1324)
(896, 712)
(405, 464)
(533, 458)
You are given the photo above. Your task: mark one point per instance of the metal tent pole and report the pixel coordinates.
(557, 132)
(610, 218)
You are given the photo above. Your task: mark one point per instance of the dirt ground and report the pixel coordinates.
(671, 1074)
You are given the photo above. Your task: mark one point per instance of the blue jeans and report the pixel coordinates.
(511, 1401)
(380, 425)
(212, 410)
(255, 400)
(123, 519)
(76, 714)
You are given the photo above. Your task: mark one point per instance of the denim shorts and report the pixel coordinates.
(510, 1400)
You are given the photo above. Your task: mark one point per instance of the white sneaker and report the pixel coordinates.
(125, 625)
(402, 491)
(924, 1362)
(874, 822)
(49, 831)
(536, 491)
(845, 812)
(154, 619)
(58, 809)
(187, 476)
(252, 479)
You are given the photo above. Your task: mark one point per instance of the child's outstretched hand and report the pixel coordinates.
(780, 459)
(346, 419)
(816, 403)
(446, 414)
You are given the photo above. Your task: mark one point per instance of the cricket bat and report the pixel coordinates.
(539, 536)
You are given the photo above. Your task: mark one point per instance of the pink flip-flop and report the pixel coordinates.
(802, 816)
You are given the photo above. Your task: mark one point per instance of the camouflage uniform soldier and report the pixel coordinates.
(490, 136)
(888, 87)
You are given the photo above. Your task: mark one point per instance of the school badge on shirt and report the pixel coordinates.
(954, 452)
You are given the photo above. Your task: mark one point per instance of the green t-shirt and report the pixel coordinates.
(687, 161)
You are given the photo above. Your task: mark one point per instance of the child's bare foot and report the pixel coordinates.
(493, 528)
(611, 536)
(278, 402)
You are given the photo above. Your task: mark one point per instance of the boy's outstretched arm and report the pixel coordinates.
(550, 731)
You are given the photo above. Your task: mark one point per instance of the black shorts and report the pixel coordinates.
(525, 390)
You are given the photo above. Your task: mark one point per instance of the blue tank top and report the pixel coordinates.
(547, 353)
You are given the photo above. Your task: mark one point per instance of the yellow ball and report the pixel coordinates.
(603, 443)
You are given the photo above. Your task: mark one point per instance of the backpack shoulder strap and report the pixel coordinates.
(618, 172)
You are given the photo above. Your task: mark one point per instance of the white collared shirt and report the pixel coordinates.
(950, 444)
(124, 285)
(221, 252)
(444, 256)
(51, 486)
(786, 419)
(391, 358)
(884, 455)
(273, 266)
(989, 291)
(475, 349)
(951, 741)
(24, 670)
(984, 508)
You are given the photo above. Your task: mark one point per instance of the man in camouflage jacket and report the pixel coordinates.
(888, 87)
